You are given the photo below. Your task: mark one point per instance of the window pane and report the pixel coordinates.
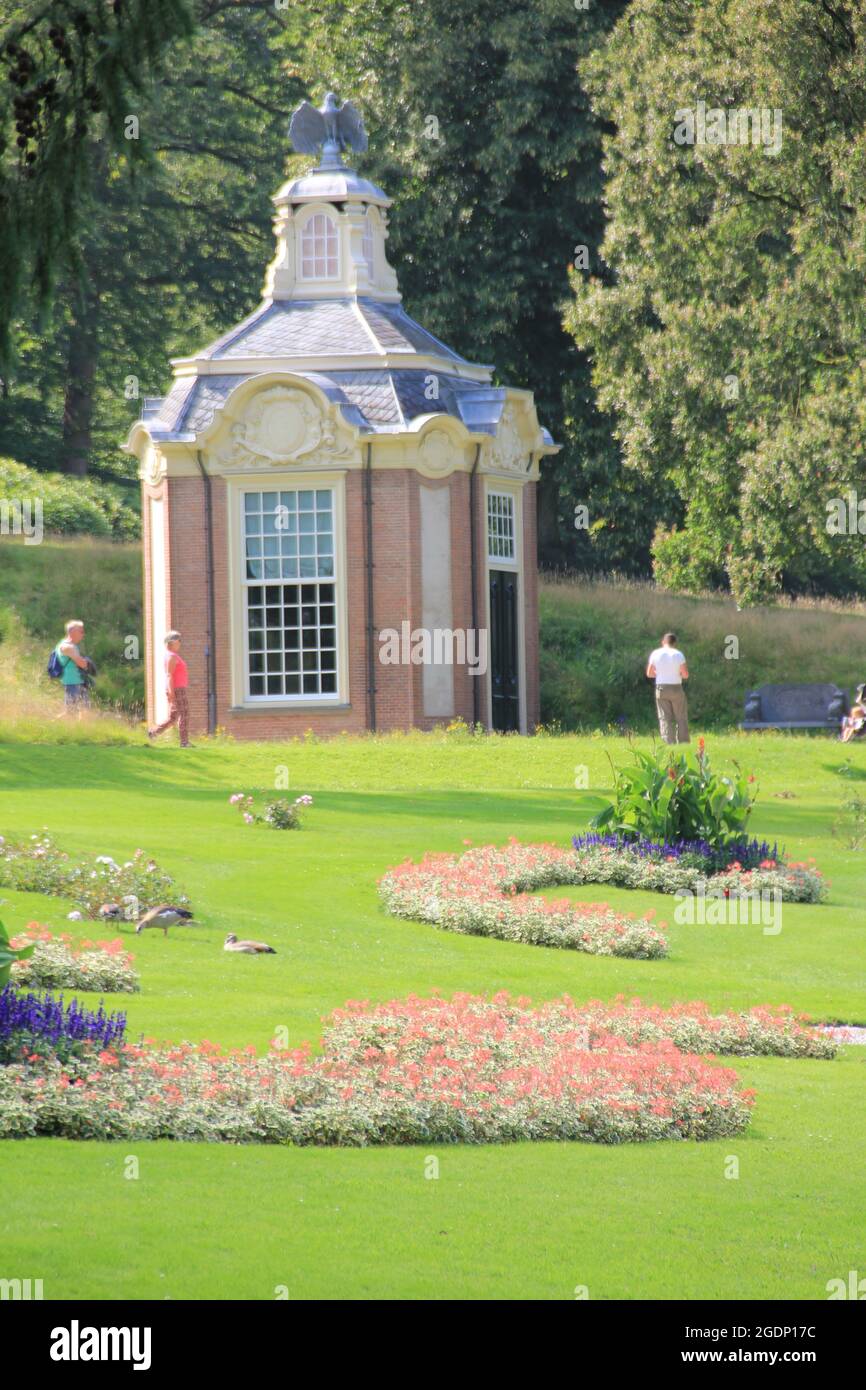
(500, 526)
(291, 627)
(320, 247)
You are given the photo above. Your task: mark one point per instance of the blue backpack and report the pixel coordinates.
(55, 665)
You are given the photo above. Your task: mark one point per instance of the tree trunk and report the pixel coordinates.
(81, 361)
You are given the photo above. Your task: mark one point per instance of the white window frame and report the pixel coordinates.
(511, 561)
(313, 251)
(296, 481)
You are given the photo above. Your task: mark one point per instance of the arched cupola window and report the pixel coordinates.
(320, 248)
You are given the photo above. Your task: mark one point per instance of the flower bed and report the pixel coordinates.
(38, 865)
(57, 962)
(469, 1069)
(40, 1029)
(606, 859)
(476, 894)
(696, 854)
(760, 1032)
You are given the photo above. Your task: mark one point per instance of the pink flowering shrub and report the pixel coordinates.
(469, 1069)
(759, 1032)
(795, 882)
(38, 865)
(57, 962)
(476, 894)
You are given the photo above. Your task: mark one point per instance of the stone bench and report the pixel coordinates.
(795, 707)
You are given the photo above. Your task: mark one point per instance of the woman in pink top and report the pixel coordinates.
(177, 682)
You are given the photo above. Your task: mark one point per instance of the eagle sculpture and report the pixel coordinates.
(331, 127)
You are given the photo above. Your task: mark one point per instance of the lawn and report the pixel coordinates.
(522, 1221)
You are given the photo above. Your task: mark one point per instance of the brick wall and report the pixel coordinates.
(397, 597)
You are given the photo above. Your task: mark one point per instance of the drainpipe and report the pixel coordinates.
(368, 557)
(210, 646)
(473, 572)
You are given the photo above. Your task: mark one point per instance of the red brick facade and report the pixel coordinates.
(397, 598)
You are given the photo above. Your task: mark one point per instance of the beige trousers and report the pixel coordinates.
(673, 713)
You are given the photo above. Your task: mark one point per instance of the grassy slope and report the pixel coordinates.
(41, 587)
(524, 1221)
(596, 637)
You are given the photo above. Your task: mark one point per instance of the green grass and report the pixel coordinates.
(41, 588)
(596, 636)
(523, 1221)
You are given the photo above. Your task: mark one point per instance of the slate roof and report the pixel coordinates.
(377, 402)
(326, 328)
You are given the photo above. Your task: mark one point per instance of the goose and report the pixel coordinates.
(111, 912)
(163, 916)
(249, 948)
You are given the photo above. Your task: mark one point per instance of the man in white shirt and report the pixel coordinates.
(667, 667)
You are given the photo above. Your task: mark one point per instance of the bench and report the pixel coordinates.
(795, 707)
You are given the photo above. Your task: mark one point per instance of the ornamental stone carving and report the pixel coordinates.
(152, 466)
(283, 425)
(437, 451)
(508, 452)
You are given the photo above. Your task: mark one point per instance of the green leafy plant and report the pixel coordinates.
(670, 796)
(9, 955)
(279, 813)
(851, 822)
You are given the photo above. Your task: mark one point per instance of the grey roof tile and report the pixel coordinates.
(327, 327)
(300, 328)
(374, 401)
(397, 332)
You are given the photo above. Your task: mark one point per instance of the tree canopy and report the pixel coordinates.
(727, 341)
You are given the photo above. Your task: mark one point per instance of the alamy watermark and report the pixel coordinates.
(743, 125)
(706, 905)
(846, 516)
(15, 1289)
(22, 519)
(438, 646)
(77, 1343)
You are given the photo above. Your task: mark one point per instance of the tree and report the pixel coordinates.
(481, 131)
(727, 343)
(169, 260)
(67, 67)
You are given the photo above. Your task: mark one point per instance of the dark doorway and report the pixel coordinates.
(504, 679)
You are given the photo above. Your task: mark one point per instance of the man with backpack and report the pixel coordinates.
(72, 669)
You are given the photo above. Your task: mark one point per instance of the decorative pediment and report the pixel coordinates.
(279, 425)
